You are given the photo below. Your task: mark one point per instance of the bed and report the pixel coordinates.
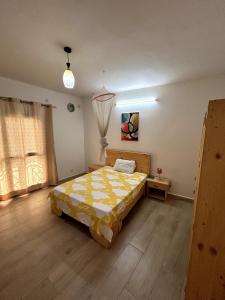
(103, 198)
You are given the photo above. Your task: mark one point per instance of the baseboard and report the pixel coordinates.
(179, 197)
(70, 178)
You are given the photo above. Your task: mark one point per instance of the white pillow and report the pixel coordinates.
(125, 166)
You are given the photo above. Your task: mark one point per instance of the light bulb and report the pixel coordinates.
(68, 79)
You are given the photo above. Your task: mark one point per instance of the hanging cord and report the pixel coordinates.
(103, 94)
(103, 78)
(68, 61)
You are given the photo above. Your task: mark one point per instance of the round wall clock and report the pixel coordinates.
(70, 107)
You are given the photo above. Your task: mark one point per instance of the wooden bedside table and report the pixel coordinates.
(94, 167)
(158, 188)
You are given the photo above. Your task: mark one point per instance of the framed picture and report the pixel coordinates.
(129, 126)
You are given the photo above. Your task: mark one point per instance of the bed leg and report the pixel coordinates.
(119, 227)
(99, 238)
(145, 192)
(55, 210)
(116, 228)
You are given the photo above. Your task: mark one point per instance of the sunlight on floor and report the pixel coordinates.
(5, 203)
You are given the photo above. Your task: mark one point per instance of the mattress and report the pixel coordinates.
(99, 198)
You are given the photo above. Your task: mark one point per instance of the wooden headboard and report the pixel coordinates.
(143, 160)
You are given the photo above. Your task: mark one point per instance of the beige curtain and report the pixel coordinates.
(27, 158)
(103, 110)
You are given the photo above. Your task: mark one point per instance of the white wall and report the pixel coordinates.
(68, 127)
(170, 130)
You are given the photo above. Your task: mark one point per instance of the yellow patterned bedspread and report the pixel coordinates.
(97, 199)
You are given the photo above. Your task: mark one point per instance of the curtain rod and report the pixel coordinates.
(24, 101)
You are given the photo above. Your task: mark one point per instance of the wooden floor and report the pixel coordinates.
(47, 257)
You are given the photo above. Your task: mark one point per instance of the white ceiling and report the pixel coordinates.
(139, 43)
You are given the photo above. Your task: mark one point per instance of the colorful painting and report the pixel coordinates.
(129, 126)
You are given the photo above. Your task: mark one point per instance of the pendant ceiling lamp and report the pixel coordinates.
(68, 77)
(103, 94)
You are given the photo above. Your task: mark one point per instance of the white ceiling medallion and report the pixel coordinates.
(68, 77)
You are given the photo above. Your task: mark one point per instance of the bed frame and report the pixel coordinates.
(143, 164)
(143, 160)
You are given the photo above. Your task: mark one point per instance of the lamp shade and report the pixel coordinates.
(68, 79)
